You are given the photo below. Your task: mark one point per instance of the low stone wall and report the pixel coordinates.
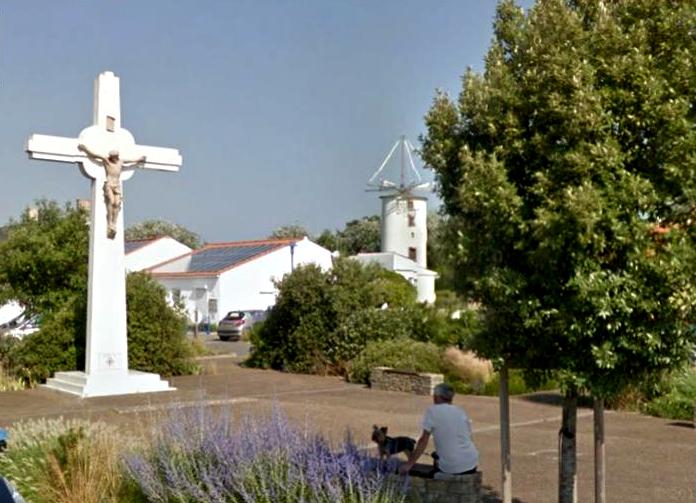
(456, 489)
(389, 379)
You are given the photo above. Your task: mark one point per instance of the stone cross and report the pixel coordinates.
(106, 366)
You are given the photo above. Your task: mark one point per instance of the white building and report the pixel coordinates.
(404, 242)
(404, 228)
(223, 277)
(421, 278)
(142, 254)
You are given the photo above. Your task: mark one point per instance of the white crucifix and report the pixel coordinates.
(108, 155)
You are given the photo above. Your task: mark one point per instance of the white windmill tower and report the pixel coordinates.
(404, 213)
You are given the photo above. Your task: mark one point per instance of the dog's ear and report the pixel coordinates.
(375, 427)
(384, 429)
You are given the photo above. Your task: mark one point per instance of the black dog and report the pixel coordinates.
(388, 446)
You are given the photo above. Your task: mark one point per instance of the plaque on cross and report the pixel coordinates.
(107, 154)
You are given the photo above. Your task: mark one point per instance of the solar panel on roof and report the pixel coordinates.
(215, 259)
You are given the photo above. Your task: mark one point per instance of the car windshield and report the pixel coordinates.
(234, 315)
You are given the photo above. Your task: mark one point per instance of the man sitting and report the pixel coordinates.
(451, 430)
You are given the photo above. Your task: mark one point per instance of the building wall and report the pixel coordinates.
(247, 286)
(250, 285)
(194, 292)
(398, 235)
(155, 253)
(425, 288)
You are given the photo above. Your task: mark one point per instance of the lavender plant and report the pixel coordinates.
(200, 456)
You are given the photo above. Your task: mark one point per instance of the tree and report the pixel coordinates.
(438, 253)
(292, 231)
(327, 239)
(43, 260)
(43, 265)
(360, 236)
(567, 174)
(150, 229)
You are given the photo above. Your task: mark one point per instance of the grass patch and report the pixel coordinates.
(677, 398)
(9, 382)
(61, 461)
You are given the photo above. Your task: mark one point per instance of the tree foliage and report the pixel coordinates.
(156, 332)
(43, 260)
(43, 265)
(567, 173)
(303, 330)
(361, 235)
(292, 231)
(150, 229)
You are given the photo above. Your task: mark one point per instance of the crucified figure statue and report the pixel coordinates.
(113, 197)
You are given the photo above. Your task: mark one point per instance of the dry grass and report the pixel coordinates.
(466, 366)
(9, 383)
(61, 461)
(84, 469)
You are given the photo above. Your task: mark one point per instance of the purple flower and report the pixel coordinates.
(199, 455)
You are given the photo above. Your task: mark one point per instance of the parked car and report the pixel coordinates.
(235, 323)
(27, 327)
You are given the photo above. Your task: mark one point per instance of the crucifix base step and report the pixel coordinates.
(107, 384)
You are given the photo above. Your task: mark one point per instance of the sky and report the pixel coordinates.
(282, 110)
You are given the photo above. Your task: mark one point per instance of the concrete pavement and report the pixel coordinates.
(648, 459)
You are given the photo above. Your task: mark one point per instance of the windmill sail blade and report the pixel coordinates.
(410, 160)
(410, 177)
(422, 186)
(371, 181)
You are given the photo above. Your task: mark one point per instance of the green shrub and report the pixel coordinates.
(302, 332)
(373, 324)
(677, 397)
(156, 333)
(516, 384)
(156, 336)
(59, 344)
(402, 354)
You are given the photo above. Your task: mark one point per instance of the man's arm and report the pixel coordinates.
(417, 453)
(83, 148)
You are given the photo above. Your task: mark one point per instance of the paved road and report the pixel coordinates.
(218, 347)
(648, 459)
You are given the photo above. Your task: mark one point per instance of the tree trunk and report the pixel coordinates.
(567, 466)
(600, 470)
(506, 471)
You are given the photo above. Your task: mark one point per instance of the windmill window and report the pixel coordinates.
(412, 253)
(411, 220)
(410, 204)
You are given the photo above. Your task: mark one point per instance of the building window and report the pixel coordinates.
(411, 220)
(176, 296)
(412, 253)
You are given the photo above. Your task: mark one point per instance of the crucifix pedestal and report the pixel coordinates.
(102, 151)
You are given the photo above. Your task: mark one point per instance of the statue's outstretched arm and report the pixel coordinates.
(139, 160)
(83, 148)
